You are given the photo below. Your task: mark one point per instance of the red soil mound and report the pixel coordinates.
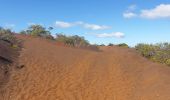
(61, 73)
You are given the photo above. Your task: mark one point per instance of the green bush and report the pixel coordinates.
(110, 44)
(38, 30)
(157, 52)
(123, 45)
(75, 40)
(7, 35)
(147, 50)
(168, 62)
(102, 45)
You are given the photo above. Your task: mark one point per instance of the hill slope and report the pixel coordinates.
(60, 73)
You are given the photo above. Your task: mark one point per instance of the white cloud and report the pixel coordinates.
(129, 15)
(61, 24)
(132, 7)
(54, 35)
(10, 26)
(109, 35)
(119, 35)
(79, 23)
(129, 12)
(96, 27)
(160, 11)
(32, 23)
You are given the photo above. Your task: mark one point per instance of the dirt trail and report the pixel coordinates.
(60, 73)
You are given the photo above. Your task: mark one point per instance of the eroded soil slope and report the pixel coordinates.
(53, 72)
(7, 57)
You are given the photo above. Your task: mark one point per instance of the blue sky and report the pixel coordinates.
(99, 21)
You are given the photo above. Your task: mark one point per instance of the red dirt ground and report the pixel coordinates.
(54, 72)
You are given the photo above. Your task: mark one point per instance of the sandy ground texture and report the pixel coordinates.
(54, 72)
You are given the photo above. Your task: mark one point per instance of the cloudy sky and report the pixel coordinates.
(99, 21)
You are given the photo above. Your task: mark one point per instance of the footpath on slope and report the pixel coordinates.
(53, 72)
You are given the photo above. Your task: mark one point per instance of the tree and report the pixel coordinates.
(110, 44)
(23, 32)
(50, 28)
(38, 30)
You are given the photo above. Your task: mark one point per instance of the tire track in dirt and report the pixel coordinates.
(61, 73)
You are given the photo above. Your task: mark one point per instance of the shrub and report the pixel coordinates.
(75, 40)
(123, 45)
(168, 62)
(110, 44)
(7, 35)
(15, 46)
(38, 30)
(23, 32)
(157, 52)
(102, 45)
(146, 50)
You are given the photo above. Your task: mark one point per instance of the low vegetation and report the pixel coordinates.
(9, 49)
(8, 36)
(38, 30)
(156, 52)
(73, 41)
(123, 45)
(102, 45)
(110, 44)
(120, 45)
(76, 41)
